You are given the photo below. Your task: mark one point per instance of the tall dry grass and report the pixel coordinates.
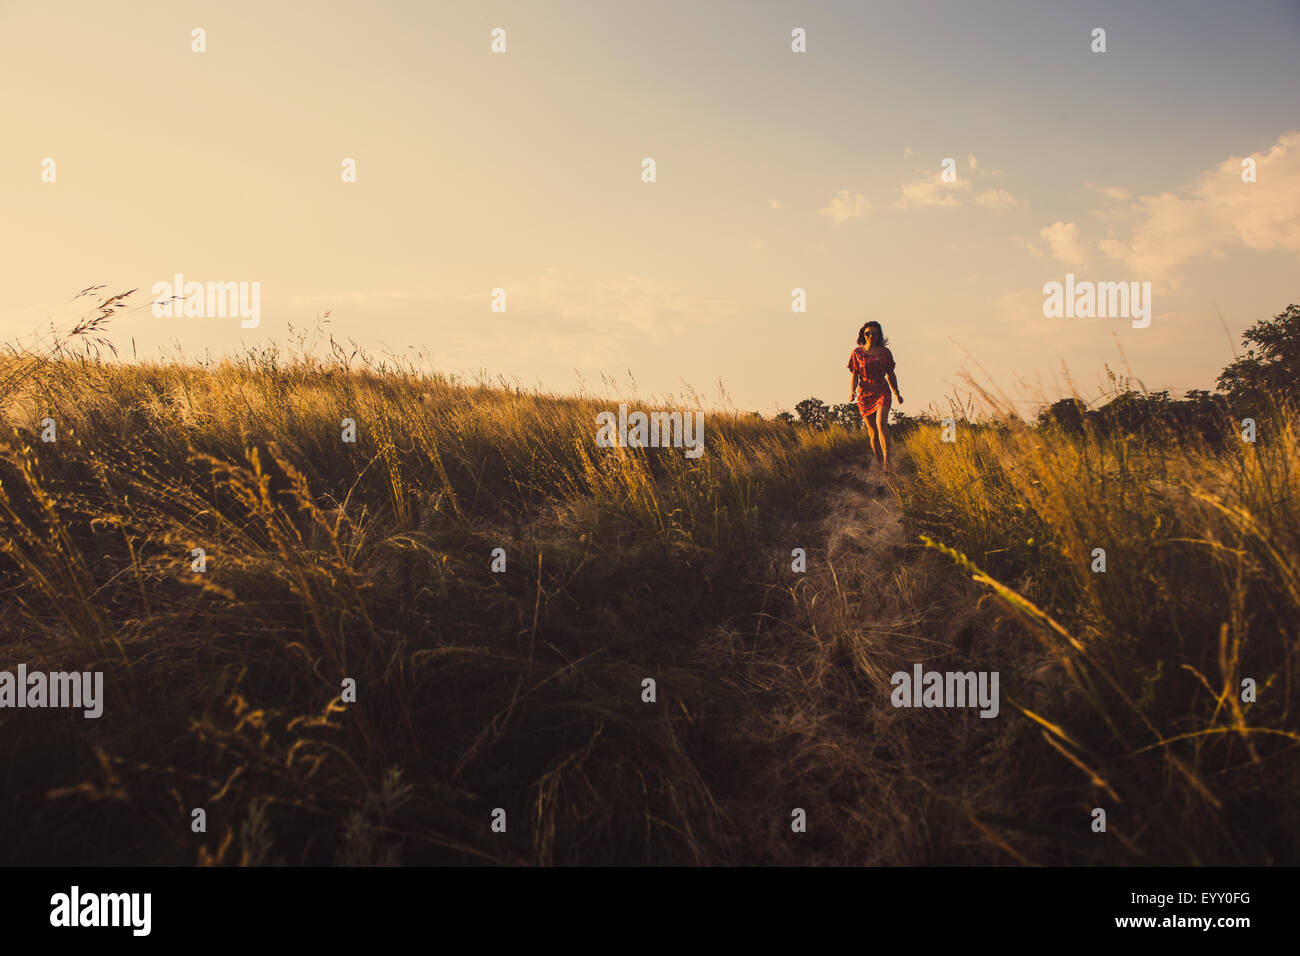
(522, 690)
(371, 561)
(1135, 682)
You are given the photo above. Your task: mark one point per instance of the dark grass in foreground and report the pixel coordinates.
(371, 561)
(522, 690)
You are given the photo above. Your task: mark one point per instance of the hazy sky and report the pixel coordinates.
(775, 170)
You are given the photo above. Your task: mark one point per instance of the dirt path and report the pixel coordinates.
(880, 784)
(861, 522)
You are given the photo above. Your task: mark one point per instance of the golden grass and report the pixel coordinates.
(370, 561)
(1199, 592)
(522, 690)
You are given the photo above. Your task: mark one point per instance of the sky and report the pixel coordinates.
(774, 170)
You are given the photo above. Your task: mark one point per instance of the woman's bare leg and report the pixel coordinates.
(882, 426)
(873, 440)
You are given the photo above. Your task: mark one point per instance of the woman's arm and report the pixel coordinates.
(893, 384)
(853, 389)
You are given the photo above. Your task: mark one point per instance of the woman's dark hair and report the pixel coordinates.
(862, 333)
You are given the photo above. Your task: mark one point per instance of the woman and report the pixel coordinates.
(873, 379)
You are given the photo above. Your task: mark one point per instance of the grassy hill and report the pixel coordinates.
(329, 561)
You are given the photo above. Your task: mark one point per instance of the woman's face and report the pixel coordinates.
(870, 337)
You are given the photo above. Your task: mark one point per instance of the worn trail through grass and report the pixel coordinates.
(879, 784)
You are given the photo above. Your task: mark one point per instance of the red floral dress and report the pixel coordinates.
(873, 390)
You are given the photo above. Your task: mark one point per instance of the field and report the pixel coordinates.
(349, 681)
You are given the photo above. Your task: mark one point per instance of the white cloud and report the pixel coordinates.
(997, 199)
(1113, 248)
(1167, 232)
(1063, 241)
(1032, 249)
(844, 207)
(1112, 192)
(932, 191)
